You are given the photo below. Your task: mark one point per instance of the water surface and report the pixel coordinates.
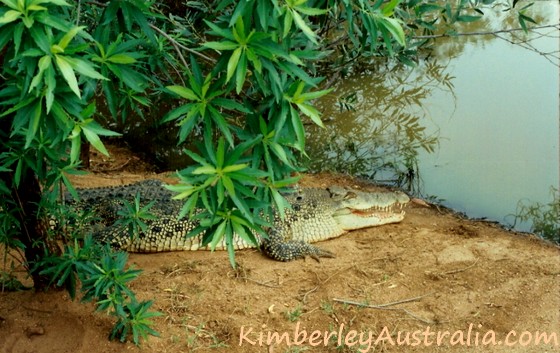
(493, 105)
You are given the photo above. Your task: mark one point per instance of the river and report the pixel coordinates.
(492, 106)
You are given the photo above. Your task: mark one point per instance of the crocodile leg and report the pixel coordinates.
(277, 248)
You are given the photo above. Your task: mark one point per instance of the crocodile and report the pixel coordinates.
(315, 214)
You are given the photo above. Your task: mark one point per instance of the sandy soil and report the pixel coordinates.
(431, 274)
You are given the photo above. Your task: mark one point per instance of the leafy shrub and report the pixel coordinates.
(104, 279)
(544, 218)
(245, 74)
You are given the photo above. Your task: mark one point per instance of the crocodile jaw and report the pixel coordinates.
(362, 210)
(349, 219)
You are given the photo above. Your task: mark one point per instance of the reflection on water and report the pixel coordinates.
(376, 123)
(493, 105)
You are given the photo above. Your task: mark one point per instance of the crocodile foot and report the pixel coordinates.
(292, 250)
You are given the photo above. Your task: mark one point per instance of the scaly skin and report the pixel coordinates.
(316, 215)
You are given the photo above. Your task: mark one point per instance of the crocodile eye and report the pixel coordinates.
(296, 207)
(350, 195)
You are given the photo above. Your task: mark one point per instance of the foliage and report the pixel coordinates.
(255, 88)
(104, 280)
(132, 216)
(245, 75)
(376, 132)
(48, 84)
(543, 217)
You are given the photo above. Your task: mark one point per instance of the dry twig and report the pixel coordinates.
(386, 306)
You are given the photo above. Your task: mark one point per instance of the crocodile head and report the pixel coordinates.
(356, 209)
(321, 214)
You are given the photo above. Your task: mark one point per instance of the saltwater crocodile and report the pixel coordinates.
(315, 215)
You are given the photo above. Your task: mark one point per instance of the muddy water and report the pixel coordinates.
(493, 106)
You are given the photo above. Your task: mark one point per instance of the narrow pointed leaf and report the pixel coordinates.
(184, 92)
(69, 36)
(225, 45)
(9, 16)
(304, 27)
(94, 140)
(232, 63)
(68, 74)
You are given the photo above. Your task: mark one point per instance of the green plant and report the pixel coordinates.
(104, 278)
(543, 217)
(198, 333)
(246, 75)
(133, 214)
(327, 307)
(254, 99)
(294, 315)
(48, 82)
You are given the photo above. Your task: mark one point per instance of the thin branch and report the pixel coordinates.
(525, 44)
(78, 12)
(381, 306)
(452, 272)
(386, 307)
(178, 45)
(444, 35)
(175, 43)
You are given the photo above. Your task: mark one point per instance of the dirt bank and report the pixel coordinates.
(432, 270)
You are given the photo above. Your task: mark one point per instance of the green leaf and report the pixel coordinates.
(133, 79)
(220, 31)
(10, 3)
(218, 234)
(310, 11)
(393, 26)
(76, 143)
(122, 58)
(240, 231)
(205, 169)
(314, 94)
(232, 63)
(234, 168)
(183, 92)
(389, 8)
(10, 16)
(230, 104)
(69, 36)
(50, 81)
(280, 153)
(304, 27)
(55, 2)
(311, 112)
(288, 20)
(220, 154)
(280, 202)
(44, 63)
(197, 158)
(225, 45)
(85, 68)
(33, 124)
(241, 73)
(68, 74)
(94, 126)
(297, 125)
(228, 185)
(94, 140)
(28, 21)
(41, 39)
(468, 18)
(222, 124)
